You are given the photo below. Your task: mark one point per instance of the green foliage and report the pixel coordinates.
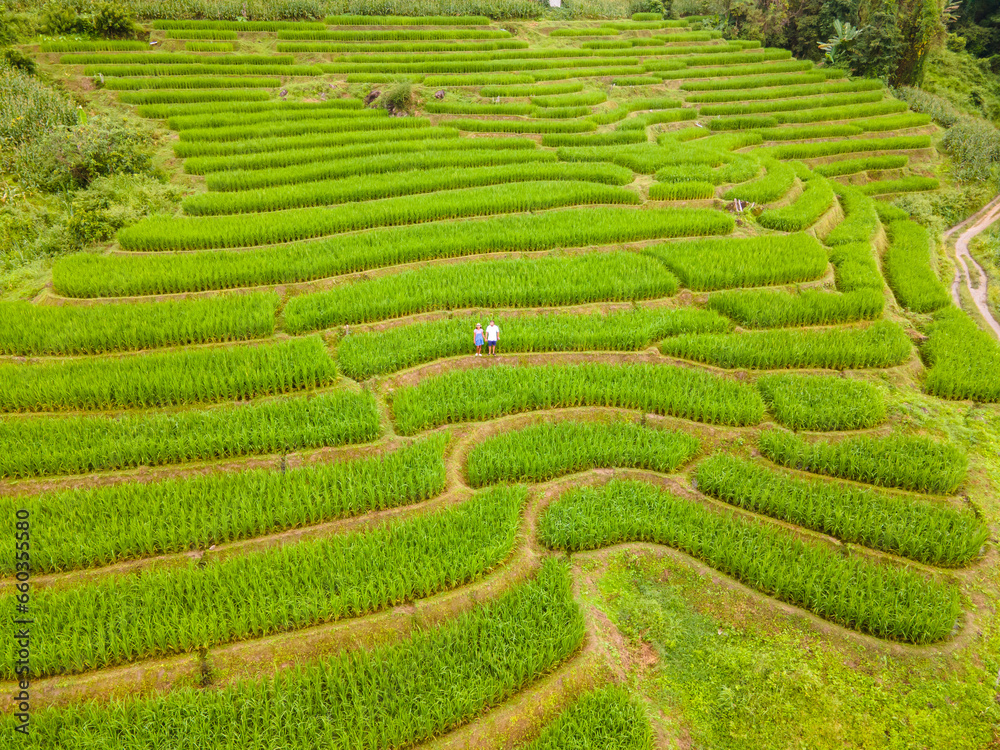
(808, 208)
(859, 225)
(677, 191)
(27, 329)
(112, 21)
(962, 360)
(917, 464)
(29, 109)
(542, 452)
(69, 158)
(772, 186)
(908, 269)
(766, 308)
(974, 146)
(442, 676)
(114, 202)
(928, 532)
(283, 588)
(882, 600)
(881, 344)
(117, 275)
(864, 164)
(706, 265)
(79, 445)
(605, 719)
(471, 395)
(521, 282)
(363, 355)
(822, 403)
(126, 521)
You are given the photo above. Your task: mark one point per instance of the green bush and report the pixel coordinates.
(113, 21)
(69, 158)
(117, 201)
(59, 19)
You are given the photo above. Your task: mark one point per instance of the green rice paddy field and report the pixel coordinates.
(732, 481)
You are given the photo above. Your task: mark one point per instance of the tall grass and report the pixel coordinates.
(768, 308)
(962, 360)
(370, 187)
(364, 355)
(27, 329)
(79, 445)
(541, 452)
(180, 609)
(823, 403)
(521, 282)
(192, 233)
(878, 599)
(912, 463)
(881, 344)
(440, 677)
(166, 379)
(705, 265)
(476, 395)
(133, 520)
(928, 532)
(89, 275)
(908, 269)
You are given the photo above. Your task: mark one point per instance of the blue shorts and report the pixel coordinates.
(491, 343)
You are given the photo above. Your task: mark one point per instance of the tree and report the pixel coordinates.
(921, 27)
(839, 45)
(877, 50)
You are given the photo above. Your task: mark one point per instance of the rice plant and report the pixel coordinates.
(905, 462)
(209, 46)
(864, 164)
(603, 719)
(613, 138)
(881, 344)
(395, 35)
(878, 599)
(191, 233)
(380, 20)
(788, 105)
(928, 532)
(585, 98)
(531, 89)
(91, 275)
(675, 191)
(337, 124)
(169, 96)
(520, 126)
(191, 82)
(241, 25)
(179, 609)
(172, 378)
(380, 47)
(855, 268)
(542, 452)
(773, 185)
(646, 119)
(202, 34)
(962, 360)
(808, 208)
(481, 394)
(909, 184)
(769, 308)
(79, 445)
(364, 355)
(908, 269)
(849, 112)
(27, 329)
(732, 71)
(899, 122)
(127, 521)
(96, 45)
(861, 220)
(752, 82)
(520, 282)
(155, 61)
(822, 403)
(849, 146)
(441, 677)
(370, 187)
(805, 132)
(792, 90)
(705, 265)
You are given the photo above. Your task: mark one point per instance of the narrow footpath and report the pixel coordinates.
(979, 292)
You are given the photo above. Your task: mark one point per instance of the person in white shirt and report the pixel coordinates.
(492, 337)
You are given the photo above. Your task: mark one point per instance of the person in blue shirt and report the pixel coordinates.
(477, 338)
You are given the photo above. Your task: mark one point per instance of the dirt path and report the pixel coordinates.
(979, 292)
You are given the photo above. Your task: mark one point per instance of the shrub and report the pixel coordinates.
(114, 202)
(29, 110)
(974, 146)
(113, 21)
(399, 98)
(74, 157)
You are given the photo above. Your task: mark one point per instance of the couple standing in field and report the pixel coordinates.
(490, 338)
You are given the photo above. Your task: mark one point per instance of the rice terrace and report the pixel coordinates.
(731, 478)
